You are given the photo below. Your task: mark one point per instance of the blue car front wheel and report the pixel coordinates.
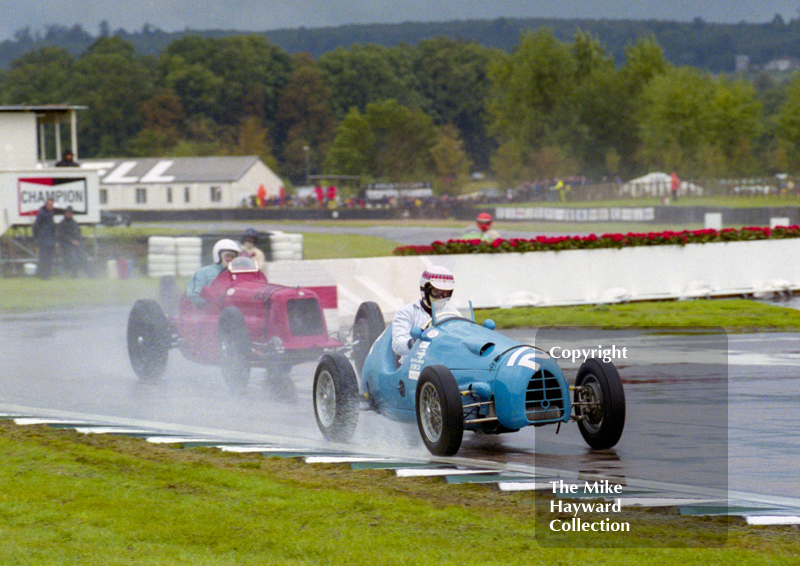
(439, 411)
(599, 403)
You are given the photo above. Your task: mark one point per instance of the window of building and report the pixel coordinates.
(141, 196)
(187, 196)
(103, 196)
(216, 194)
(169, 194)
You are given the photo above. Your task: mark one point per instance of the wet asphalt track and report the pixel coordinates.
(692, 418)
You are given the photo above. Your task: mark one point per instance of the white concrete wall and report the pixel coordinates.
(562, 278)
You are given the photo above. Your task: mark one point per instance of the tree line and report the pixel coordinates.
(706, 45)
(436, 110)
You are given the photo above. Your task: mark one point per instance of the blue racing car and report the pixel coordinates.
(461, 375)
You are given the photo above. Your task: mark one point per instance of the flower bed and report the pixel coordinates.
(592, 241)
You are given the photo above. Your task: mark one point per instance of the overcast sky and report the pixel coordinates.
(262, 15)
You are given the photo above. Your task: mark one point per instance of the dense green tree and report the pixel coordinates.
(506, 163)
(389, 141)
(788, 125)
(450, 162)
(589, 56)
(551, 106)
(230, 72)
(600, 106)
(404, 138)
(43, 76)
(164, 115)
(363, 74)
(305, 118)
(200, 91)
(534, 92)
(672, 116)
(253, 138)
(164, 124)
(113, 82)
(644, 60)
(735, 121)
(353, 149)
(709, 120)
(453, 81)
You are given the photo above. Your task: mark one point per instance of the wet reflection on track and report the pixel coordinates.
(684, 424)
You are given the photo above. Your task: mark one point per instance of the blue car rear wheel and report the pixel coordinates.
(367, 327)
(336, 398)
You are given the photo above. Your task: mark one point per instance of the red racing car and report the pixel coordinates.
(245, 322)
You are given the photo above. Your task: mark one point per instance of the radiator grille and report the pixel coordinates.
(544, 401)
(305, 317)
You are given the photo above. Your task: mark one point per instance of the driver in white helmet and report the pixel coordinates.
(436, 287)
(223, 253)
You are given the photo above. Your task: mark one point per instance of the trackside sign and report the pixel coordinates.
(24, 192)
(33, 192)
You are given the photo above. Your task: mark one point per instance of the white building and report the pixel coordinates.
(26, 179)
(182, 183)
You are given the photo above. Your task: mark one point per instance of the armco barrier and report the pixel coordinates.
(562, 278)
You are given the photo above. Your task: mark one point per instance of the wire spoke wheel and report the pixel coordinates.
(335, 397)
(430, 412)
(325, 399)
(440, 411)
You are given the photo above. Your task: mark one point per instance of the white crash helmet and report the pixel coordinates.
(437, 277)
(225, 245)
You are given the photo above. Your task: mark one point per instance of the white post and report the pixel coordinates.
(74, 133)
(42, 144)
(713, 220)
(778, 221)
(58, 140)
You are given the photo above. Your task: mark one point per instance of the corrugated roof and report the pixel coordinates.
(158, 170)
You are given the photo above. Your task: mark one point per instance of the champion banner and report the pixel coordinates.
(68, 191)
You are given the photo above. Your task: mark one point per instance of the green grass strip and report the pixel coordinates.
(739, 315)
(67, 498)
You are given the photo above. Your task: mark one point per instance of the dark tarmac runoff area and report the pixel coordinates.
(706, 410)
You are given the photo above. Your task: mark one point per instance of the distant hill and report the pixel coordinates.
(699, 44)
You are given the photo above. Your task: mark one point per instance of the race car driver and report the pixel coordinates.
(483, 229)
(436, 287)
(223, 253)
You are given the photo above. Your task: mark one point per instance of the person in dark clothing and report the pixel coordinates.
(69, 241)
(44, 231)
(68, 160)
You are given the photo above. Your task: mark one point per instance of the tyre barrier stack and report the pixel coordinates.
(189, 251)
(168, 256)
(283, 246)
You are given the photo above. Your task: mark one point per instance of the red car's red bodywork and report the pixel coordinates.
(285, 323)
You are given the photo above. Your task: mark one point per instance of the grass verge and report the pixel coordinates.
(69, 498)
(335, 246)
(738, 315)
(31, 294)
